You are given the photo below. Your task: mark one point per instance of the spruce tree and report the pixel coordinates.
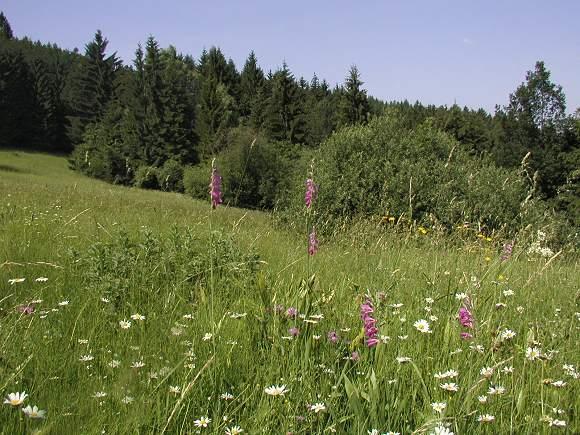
(355, 106)
(5, 29)
(251, 84)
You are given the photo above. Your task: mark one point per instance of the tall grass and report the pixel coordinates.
(110, 253)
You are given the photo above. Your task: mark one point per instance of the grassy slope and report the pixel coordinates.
(50, 214)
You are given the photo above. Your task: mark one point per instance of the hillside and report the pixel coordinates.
(134, 311)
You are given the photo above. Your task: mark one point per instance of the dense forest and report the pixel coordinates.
(159, 122)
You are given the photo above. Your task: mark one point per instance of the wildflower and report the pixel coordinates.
(507, 334)
(16, 280)
(465, 317)
(485, 418)
(174, 389)
(429, 300)
(291, 312)
(202, 422)
(137, 364)
(333, 337)
(34, 412)
(559, 384)
(557, 423)
(16, 399)
(99, 394)
(207, 336)
(41, 279)
(312, 242)
(86, 358)
(439, 406)
(354, 356)
(311, 193)
(276, 390)
(63, 303)
(226, 396)
(422, 326)
(370, 329)
(486, 372)
(460, 296)
(507, 293)
(125, 324)
(114, 364)
(26, 309)
(318, 407)
(496, 391)
(294, 331)
(137, 316)
(466, 336)
(450, 386)
(403, 359)
(215, 186)
(533, 353)
(234, 430)
(482, 399)
(508, 369)
(507, 251)
(127, 400)
(441, 430)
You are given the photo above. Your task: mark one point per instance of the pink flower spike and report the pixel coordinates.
(215, 187)
(311, 192)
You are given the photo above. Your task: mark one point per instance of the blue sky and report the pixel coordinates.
(437, 51)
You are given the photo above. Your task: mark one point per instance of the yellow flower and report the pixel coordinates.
(422, 230)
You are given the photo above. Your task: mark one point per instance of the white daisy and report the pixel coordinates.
(276, 390)
(16, 399)
(318, 407)
(34, 412)
(422, 326)
(485, 418)
(125, 324)
(202, 422)
(439, 406)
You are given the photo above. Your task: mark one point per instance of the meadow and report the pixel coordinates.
(127, 311)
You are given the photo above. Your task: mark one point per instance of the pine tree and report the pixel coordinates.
(5, 29)
(284, 118)
(355, 106)
(251, 84)
(95, 78)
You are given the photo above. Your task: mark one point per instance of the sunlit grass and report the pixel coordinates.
(158, 314)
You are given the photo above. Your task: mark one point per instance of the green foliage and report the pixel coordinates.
(255, 170)
(385, 169)
(196, 180)
(171, 176)
(147, 177)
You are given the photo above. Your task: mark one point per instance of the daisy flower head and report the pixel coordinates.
(486, 372)
(234, 430)
(202, 422)
(34, 412)
(441, 430)
(422, 326)
(485, 418)
(450, 386)
(533, 353)
(507, 334)
(137, 316)
(276, 390)
(317, 407)
(125, 324)
(439, 406)
(16, 399)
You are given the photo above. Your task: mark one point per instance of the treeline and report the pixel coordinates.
(158, 122)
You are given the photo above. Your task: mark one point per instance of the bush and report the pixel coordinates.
(420, 174)
(171, 176)
(196, 180)
(147, 177)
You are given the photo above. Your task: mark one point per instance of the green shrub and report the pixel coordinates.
(147, 177)
(196, 180)
(421, 174)
(171, 176)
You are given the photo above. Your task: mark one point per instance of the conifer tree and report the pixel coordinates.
(355, 106)
(251, 84)
(5, 29)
